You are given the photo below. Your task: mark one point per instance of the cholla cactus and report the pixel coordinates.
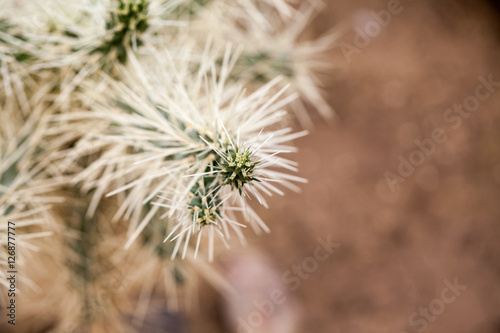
(169, 119)
(271, 35)
(15, 53)
(25, 200)
(199, 147)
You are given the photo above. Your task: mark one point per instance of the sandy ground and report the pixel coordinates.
(442, 223)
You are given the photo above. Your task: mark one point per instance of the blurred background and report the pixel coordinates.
(399, 250)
